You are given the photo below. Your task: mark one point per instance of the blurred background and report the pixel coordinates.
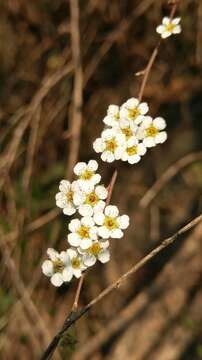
(156, 315)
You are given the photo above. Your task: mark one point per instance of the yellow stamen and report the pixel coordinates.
(83, 232)
(94, 249)
(87, 175)
(58, 266)
(133, 113)
(76, 262)
(69, 196)
(110, 223)
(152, 131)
(111, 145)
(170, 27)
(132, 150)
(128, 132)
(92, 199)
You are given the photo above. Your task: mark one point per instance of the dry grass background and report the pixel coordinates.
(157, 314)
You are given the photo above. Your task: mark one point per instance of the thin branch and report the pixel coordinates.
(74, 316)
(78, 292)
(75, 118)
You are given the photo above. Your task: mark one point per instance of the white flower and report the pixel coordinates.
(169, 27)
(76, 261)
(134, 151)
(93, 201)
(97, 251)
(83, 232)
(86, 173)
(68, 199)
(151, 131)
(57, 267)
(110, 223)
(111, 145)
(113, 115)
(133, 110)
(127, 128)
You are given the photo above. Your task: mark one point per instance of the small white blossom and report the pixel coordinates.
(83, 232)
(111, 145)
(97, 251)
(133, 110)
(151, 131)
(113, 115)
(169, 27)
(58, 267)
(93, 200)
(87, 173)
(128, 128)
(110, 223)
(68, 199)
(76, 263)
(134, 151)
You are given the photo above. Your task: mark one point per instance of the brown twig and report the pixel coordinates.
(75, 116)
(78, 292)
(74, 316)
(167, 175)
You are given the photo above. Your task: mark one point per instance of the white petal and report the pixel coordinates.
(79, 168)
(116, 234)
(141, 149)
(119, 152)
(52, 253)
(134, 159)
(57, 279)
(99, 207)
(96, 178)
(177, 29)
(65, 258)
(103, 232)
(113, 109)
(85, 210)
(149, 142)
(87, 221)
(166, 20)
(92, 165)
(69, 210)
(93, 232)
(77, 273)
(107, 156)
(161, 137)
(67, 274)
(72, 253)
(143, 107)
(64, 186)
(132, 103)
(160, 29)
(123, 221)
(112, 211)
(85, 243)
(74, 239)
(98, 145)
(146, 122)
(176, 21)
(166, 34)
(159, 123)
(47, 268)
(78, 198)
(74, 225)
(101, 192)
(99, 218)
(89, 260)
(104, 256)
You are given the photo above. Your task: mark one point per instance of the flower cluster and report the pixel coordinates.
(88, 235)
(169, 27)
(128, 132)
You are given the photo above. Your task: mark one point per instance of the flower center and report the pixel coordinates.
(133, 113)
(83, 232)
(92, 199)
(151, 131)
(117, 116)
(58, 266)
(111, 145)
(132, 150)
(128, 132)
(170, 27)
(75, 262)
(87, 175)
(69, 196)
(110, 223)
(94, 249)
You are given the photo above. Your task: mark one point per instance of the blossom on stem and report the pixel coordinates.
(134, 150)
(57, 267)
(110, 223)
(113, 116)
(151, 131)
(86, 173)
(93, 200)
(97, 251)
(169, 27)
(67, 199)
(111, 144)
(76, 261)
(133, 110)
(83, 232)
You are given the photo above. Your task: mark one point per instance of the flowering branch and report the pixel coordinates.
(74, 316)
